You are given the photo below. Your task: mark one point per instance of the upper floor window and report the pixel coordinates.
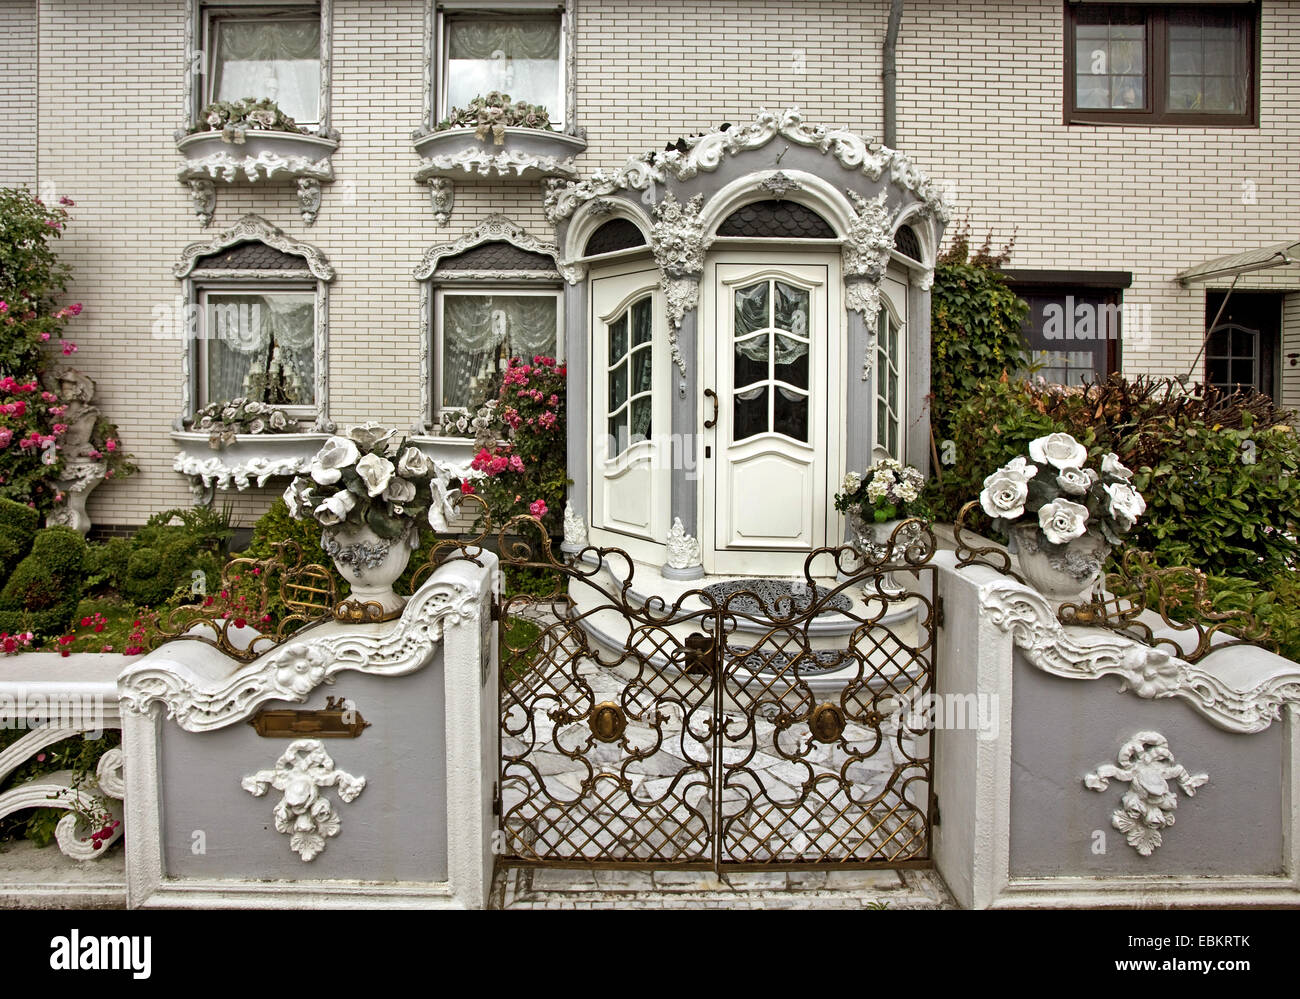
(265, 52)
(518, 52)
(1161, 64)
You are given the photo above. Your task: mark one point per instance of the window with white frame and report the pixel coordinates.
(630, 376)
(888, 428)
(259, 343)
(265, 52)
(479, 330)
(519, 52)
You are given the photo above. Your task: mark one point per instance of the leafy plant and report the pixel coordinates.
(528, 473)
(493, 114)
(159, 562)
(975, 326)
(18, 526)
(885, 491)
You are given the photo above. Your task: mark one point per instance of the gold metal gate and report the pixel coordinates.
(745, 724)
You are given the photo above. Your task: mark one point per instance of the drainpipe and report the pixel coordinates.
(889, 73)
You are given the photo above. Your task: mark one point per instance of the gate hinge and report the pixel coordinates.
(496, 799)
(934, 812)
(495, 612)
(938, 612)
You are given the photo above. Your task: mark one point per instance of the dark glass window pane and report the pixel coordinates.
(641, 370)
(752, 312)
(617, 386)
(641, 322)
(618, 338)
(791, 309)
(792, 361)
(640, 426)
(750, 413)
(790, 414)
(751, 361)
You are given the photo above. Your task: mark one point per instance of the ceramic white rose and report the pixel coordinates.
(1063, 515)
(368, 489)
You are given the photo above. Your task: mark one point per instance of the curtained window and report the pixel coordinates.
(259, 345)
(516, 55)
(268, 56)
(479, 333)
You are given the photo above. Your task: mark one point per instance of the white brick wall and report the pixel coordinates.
(979, 106)
(17, 92)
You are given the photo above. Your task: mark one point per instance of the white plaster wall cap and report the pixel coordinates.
(204, 689)
(706, 153)
(493, 229)
(1246, 697)
(254, 228)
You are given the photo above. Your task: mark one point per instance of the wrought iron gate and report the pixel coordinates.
(746, 724)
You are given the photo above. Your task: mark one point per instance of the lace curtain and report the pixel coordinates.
(752, 314)
(279, 59)
(262, 347)
(517, 57)
(481, 332)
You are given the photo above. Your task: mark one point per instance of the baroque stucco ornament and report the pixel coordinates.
(1147, 765)
(575, 530)
(678, 243)
(249, 229)
(707, 152)
(1078, 653)
(683, 549)
(290, 672)
(865, 257)
(303, 812)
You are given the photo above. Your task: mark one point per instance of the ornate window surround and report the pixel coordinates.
(195, 278)
(495, 228)
(435, 33)
(196, 33)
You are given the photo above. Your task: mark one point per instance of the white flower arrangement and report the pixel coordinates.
(1068, 498)
(887, 490)
(370, 476)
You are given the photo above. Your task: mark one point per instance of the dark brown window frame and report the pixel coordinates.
(1157, 72)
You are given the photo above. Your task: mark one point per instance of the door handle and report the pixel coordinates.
(710, 394)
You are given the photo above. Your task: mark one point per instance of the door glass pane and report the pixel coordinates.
(790, 414)
(751, 308)
(640, 424)
(750, 413)
(617, 434)
(791, 361)
(641, 324)
(618, 338)
(618, 386)
(269, 58)
(751, 360)
(791, 309)
(641, 370)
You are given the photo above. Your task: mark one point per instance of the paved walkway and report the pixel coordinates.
(554, 888)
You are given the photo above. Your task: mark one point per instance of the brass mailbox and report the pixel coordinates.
(337, 720)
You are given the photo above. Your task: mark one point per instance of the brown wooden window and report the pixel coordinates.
(1161, 64)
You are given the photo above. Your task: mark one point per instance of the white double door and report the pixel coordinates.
(773, 344)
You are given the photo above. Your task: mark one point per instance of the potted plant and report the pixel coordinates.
(1072, 513)
(877, 500)
(368, 489)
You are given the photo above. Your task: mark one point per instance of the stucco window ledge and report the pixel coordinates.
(458, 155)
(253, 459)
(265, 157)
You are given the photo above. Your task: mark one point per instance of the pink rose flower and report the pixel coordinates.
(537, 508)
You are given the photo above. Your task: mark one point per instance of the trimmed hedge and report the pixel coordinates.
(43, 592)
(18, 526)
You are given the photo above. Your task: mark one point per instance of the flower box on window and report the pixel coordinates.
(459, 155)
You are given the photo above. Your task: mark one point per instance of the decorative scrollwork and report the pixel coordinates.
(994, 556)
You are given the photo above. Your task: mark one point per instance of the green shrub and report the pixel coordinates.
(18, 525)
(975, 327)
(1220, 473)
(158, 562)
(43, 592)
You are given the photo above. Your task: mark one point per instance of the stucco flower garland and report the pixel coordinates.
(370, 476)
(1069, 498)
(234, 119)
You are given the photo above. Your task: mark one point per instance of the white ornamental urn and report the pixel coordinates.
(370, 564)
(1062, 573)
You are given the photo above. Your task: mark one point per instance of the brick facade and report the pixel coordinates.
(980, 109)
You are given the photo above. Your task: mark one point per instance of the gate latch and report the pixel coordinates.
(701, 654)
